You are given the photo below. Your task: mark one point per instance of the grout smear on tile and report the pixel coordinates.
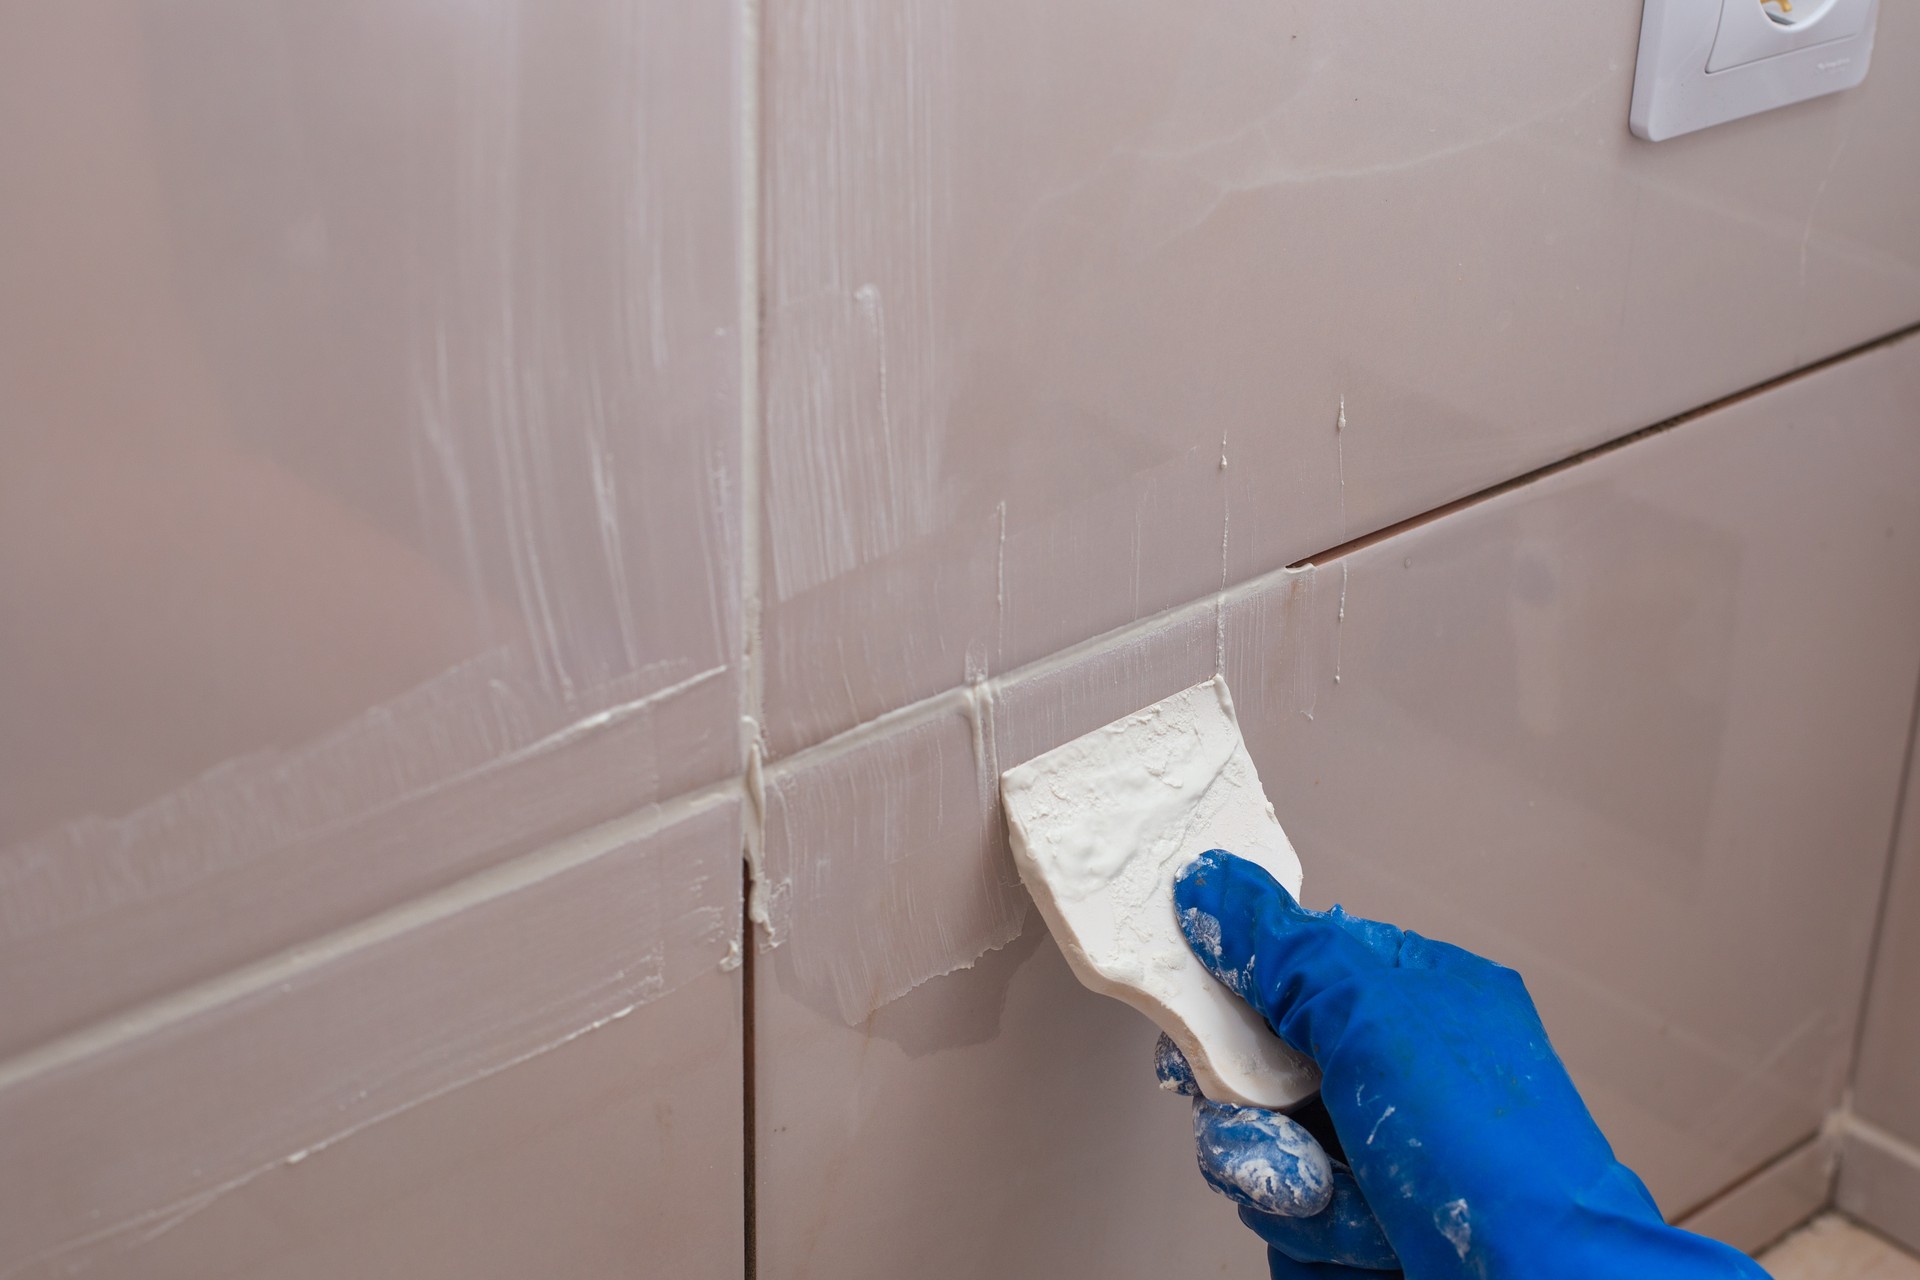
(640, 907)
(1220, 600)
(1000, 590)
(1340, 460)
(1302, 595)
(754, 824)
(1340, 619)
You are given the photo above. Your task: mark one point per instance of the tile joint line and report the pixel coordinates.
(1605, 447)
(750, 52)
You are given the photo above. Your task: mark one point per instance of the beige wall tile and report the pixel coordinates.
(370, 504)
(1880, 1183)
(550, 1046)
(1030, 270)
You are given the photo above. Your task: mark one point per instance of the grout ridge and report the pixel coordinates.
(488, 884)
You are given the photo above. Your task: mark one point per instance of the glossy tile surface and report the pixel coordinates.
(1598, 729)
(536, 1070)
(1054, 290)
(608, 1157)
(1880, 1173)
(369, 504)
(616, 1155)
(1592, 726)
(1887, 1083)
(1761, 1208)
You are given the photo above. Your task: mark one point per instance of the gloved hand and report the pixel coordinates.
(1463, 1148)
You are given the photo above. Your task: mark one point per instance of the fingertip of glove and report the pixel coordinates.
(1261, 1159)
(1217, 874)
(1203, 873)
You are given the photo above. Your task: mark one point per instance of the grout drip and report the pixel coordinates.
(1220, 601)
(1000, 591)
(1340, 619)
(1340, 459)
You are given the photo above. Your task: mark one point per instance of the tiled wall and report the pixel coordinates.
(1030, 271)
(1594, 726)
(473, 472)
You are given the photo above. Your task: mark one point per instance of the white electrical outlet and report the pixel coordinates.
(1704, 62)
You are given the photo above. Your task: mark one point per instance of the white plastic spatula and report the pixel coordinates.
(1099, 827)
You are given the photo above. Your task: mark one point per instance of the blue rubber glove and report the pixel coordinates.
(1462, 1148)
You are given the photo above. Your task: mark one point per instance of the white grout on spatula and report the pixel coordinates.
(1099, 827)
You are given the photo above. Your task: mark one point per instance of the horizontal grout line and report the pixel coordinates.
(1889, 1144)
(959, 698)
(582, 847)
(487, 885)
(1819, 1139)
(955, 697)
(1600, 450)
(906, 716)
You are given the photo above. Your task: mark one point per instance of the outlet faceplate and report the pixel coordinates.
(1704, 62)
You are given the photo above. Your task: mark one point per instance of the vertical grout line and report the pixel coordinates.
(752, 457)
(1903, 809)
(748, 1123)
(753, 680)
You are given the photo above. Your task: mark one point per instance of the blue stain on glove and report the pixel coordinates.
(1459, 1146)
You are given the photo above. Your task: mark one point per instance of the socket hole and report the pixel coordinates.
(1794, 13)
